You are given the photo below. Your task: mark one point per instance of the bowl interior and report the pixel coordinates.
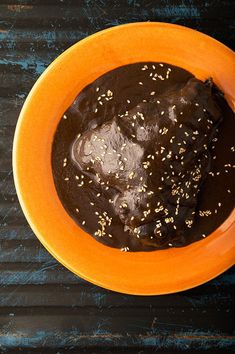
(147, 273)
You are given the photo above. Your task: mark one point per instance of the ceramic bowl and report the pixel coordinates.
(142, 273)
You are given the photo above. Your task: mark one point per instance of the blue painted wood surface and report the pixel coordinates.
(43, 307)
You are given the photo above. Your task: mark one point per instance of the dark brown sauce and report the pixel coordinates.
(132, 88)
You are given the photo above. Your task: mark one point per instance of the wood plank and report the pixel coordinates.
(143, 321)
(11, 214)
(47, 13)
(41, 273)
(63, 39)
(75, 292)
(158, 327)
(23, 251)
(115, 350)
(9, 110)
(24, 64)
(16, 232)
(24, 81)
(42, 35)
(51, 272)
(7, 189)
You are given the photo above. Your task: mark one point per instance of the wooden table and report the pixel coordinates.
(43, 307)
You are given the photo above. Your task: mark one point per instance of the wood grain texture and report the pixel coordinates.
(43, 307)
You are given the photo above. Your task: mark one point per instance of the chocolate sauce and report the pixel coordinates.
(143, 159)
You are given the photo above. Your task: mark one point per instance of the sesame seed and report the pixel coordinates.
(152, 93)
(124, 249)
(96, 110)
(77, 210)
(146, 164)
(83, 223)
(160, 77)
(169, 220)
(64, 116)
(145, 67)
(140, 83)
(182, 150)
(204, 213)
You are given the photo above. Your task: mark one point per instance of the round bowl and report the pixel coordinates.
(142, 273)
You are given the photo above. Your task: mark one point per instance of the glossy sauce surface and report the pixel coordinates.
(138, 157)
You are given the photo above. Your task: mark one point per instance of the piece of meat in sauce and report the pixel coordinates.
(155, 156)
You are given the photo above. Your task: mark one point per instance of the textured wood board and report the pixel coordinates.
(43, 307)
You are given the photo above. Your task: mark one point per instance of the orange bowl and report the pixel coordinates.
(142, 273)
